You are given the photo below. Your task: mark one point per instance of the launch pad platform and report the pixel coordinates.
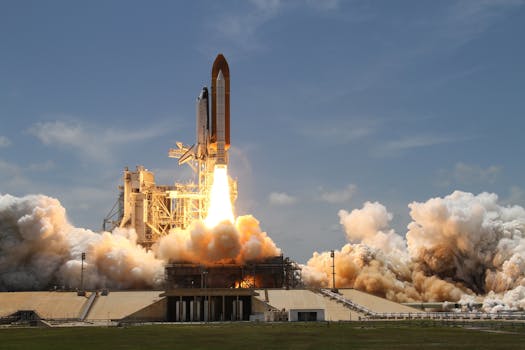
(272, 272)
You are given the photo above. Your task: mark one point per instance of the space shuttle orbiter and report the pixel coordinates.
(212, 134)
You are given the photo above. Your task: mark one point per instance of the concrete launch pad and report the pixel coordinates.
(193, 305)
(48, 305)
(375, 304)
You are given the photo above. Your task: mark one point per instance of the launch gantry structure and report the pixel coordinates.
(153, 210)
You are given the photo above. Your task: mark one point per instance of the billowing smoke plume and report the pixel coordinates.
(458, 246)
(39, 248)
(226, 242)
(462, 247)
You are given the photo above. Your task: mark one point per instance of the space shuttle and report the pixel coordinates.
(213, 132)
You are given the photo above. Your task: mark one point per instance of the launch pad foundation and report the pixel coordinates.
(223, 292)
(208, 304)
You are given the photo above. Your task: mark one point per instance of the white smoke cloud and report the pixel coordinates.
(376, 261)
(513, 299)
(462, 247)
(4, 142)
(370, 226)
(469, 238)
(225, 243)
(458, 247)
(39, 248)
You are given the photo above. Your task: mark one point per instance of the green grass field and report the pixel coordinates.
(248, 336)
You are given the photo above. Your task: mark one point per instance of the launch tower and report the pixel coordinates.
(153, 210)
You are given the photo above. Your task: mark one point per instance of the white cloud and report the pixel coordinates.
(240, 27)
(40, 167)
(94, 197)
(438, 32)
(324, 4)
(467, 19)
(516, 196)
(267, 5)
(339, 132)
(339, 196)
(412, 142)
(90, 198)
(465, 174)
(171, 174)
(416, 142)
(281, 198)
(17, 178)
(7, 168)
(479, 10)
(92, 142)
(13, 177)
(4, 142)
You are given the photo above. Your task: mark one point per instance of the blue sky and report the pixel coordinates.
(333, 103)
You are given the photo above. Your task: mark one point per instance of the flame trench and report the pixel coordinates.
(220, 208)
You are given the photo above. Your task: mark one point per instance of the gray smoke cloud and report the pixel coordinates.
(40, 249)
(459, 247)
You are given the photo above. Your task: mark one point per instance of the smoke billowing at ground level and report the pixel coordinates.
(457, 248)
(40, 249)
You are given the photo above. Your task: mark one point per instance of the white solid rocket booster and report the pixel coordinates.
(202, 124)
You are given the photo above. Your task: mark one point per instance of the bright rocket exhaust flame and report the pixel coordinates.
(247, 282)
(220, 208)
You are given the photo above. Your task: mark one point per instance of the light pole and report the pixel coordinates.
(332, 255)
(81, 292)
